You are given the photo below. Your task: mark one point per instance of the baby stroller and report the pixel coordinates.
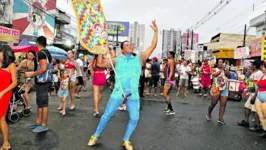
(17, 98)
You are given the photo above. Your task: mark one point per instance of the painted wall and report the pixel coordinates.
(35, 18)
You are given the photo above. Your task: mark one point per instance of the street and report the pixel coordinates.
(187, 129)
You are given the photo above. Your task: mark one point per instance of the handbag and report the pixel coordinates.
(45, 77)
(215, 91)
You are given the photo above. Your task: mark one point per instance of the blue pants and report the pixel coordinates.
(112, 106)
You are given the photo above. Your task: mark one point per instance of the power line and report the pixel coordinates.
(211, 13)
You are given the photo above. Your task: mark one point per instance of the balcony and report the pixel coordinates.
(62, 17)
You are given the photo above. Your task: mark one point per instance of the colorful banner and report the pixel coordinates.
(92, 28)
(123, 28)
(263, 50)
(227, 53)
(256, 47)
(9, 35)
(35, 17)
(241, 53)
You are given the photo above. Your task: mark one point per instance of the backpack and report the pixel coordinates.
(47, 75)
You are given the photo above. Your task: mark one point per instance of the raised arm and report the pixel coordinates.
(144, 56)
(104, 63)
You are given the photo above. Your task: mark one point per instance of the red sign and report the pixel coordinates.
(256, 47)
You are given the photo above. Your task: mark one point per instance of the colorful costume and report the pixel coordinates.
(129, 82)
(128, 70)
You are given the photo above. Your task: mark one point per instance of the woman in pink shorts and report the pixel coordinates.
(98, 84)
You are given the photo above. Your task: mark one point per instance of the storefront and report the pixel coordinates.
(9, 36)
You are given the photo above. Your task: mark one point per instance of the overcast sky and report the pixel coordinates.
(182, 14)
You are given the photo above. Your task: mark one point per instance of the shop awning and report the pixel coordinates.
(24, 49)
(56, 52)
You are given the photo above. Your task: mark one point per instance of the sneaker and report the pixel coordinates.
(177, 94)
(208, 118)
(40, 129)
(169, 113)
(221, 122)
(243, 123)
(166, 110)
(33, 126)
(255, 128)
(205, 95)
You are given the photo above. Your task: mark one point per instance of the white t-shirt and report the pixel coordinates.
(183, 70)
(80, 64)
(256, 77)
(55, 78)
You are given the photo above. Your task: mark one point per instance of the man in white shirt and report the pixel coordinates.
(80, 81)
(184, 72)
(249, 105)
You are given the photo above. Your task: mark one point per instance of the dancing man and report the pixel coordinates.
(169, 71)
(129, 82)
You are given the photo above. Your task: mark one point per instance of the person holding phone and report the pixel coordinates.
(184, 72)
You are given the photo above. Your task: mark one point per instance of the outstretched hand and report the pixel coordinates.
(154, 26)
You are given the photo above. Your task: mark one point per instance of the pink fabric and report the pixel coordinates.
(99, 79)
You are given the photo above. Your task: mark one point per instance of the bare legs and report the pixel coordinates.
(63, 106)
(4, 130)
(72, 94)
(214, 101)
(26, 96)
(97, 92)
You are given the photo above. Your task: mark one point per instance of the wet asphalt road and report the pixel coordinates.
(186, 130)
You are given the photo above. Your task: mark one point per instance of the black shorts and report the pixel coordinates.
(147, 80)
(80, 81)
(42, 94)
(154, 81)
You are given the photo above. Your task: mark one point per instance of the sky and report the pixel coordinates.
(182, 14)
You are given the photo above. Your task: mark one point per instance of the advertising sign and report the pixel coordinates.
(191, 55)
(122, 27)
(263, 50)
(9, 35)
(256, 47)
(209, 54)
(241, 53)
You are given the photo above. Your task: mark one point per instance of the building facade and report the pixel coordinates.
(171, 41)
(137, 36)
(259, 23)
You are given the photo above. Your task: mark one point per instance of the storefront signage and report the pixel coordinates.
(241, 53)
(263, 50)
(227, 53)
(9, 35)
(256, 47)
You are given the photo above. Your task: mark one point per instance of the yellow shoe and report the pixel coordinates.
(127, 145)
(93, 140)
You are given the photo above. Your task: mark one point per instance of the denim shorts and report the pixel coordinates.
(262, 97)
(63, 93)
(222, 92)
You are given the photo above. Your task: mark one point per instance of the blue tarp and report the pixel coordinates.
(56, 52)
(24, 42)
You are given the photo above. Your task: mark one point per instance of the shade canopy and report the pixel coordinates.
(57, 53)
(24, 49)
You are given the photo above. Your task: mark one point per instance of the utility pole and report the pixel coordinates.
(118, 29)
(245, 33)
(192, 40)
(187, 39)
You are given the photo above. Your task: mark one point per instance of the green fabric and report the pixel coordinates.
(128, 71)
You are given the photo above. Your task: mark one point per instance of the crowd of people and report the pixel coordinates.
(130, 77)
